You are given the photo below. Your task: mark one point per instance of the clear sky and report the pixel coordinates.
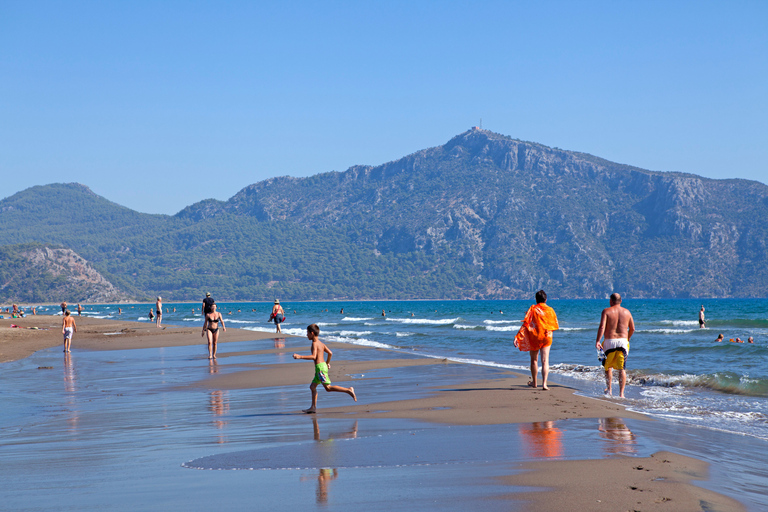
(156, 105)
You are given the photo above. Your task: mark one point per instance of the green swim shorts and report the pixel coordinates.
(321, 374)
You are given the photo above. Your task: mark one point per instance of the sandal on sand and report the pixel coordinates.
(531, 384)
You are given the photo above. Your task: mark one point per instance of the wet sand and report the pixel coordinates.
(660, 482)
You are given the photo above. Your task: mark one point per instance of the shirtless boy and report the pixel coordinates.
(617, 325)
(68, 327)
(319, 350)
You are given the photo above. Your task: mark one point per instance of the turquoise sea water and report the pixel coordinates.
(120, 431)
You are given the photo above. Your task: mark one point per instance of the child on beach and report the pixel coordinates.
(319, 350)
(68, 327)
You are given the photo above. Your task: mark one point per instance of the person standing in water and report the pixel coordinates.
(211, 328)
(159, 311)
(702, 321)
(535, 337)
(618, 326)
(278, 316)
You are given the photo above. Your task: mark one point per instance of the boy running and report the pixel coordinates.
(68, 327)
(319, 350)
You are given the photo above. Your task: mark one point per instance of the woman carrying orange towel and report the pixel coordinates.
(535, 337)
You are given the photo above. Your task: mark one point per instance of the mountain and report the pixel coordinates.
(37, 273)
(483, 216)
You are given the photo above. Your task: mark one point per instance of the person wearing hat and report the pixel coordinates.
(159, 311)
(278, 315)
(207, 304)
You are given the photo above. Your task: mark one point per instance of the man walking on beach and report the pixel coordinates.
(702, 322)
(535, 336)
(207, 304)
(68, 327)
(617, 325)
(319, 350)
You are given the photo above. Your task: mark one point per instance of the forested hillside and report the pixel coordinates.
(482, 216)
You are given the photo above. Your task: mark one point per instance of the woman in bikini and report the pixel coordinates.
(211, 327)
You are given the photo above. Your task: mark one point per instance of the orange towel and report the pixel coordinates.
(536, 332)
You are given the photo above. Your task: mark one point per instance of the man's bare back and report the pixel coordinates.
(616, 322)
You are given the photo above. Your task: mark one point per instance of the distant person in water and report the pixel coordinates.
(383, 313)
(63, 307)
(720, 337)
(702, 321)
(342, 311)
(618, 326)
(750, 340)
(151, 315)
(79, 309)
(319, 349)
(68, 328)
(535, 337)
(277, 316)
(34, 310)
(211, 328)
(119, 311)
(159, 311)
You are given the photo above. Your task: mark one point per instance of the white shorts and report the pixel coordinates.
(68, 333)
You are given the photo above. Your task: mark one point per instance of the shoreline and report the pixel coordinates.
(502, 399)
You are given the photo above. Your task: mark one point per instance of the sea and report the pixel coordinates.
(122, 430)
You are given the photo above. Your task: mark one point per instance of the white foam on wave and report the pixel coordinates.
(494, 322)
(465, 326)
(478, 362)
(356, 333)
(424, 321)
(355, 319)
(326, 324)
(403, 334)
(506, 328)
(679, 323)
(575, 329)
(259, 329)
(667, 331)
(359, 341)
(233, 321)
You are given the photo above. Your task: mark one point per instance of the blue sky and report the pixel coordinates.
(157, 105)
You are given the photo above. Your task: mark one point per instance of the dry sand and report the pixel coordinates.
(659, 482)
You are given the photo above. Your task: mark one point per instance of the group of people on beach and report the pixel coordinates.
(615, 330)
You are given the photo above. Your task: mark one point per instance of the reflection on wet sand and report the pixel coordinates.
(279, 342)
(218, 403)
(621, 440)
(70, 386)
(326, 475)
(542, 439)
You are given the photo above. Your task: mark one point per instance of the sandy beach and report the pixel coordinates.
(430, 391)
